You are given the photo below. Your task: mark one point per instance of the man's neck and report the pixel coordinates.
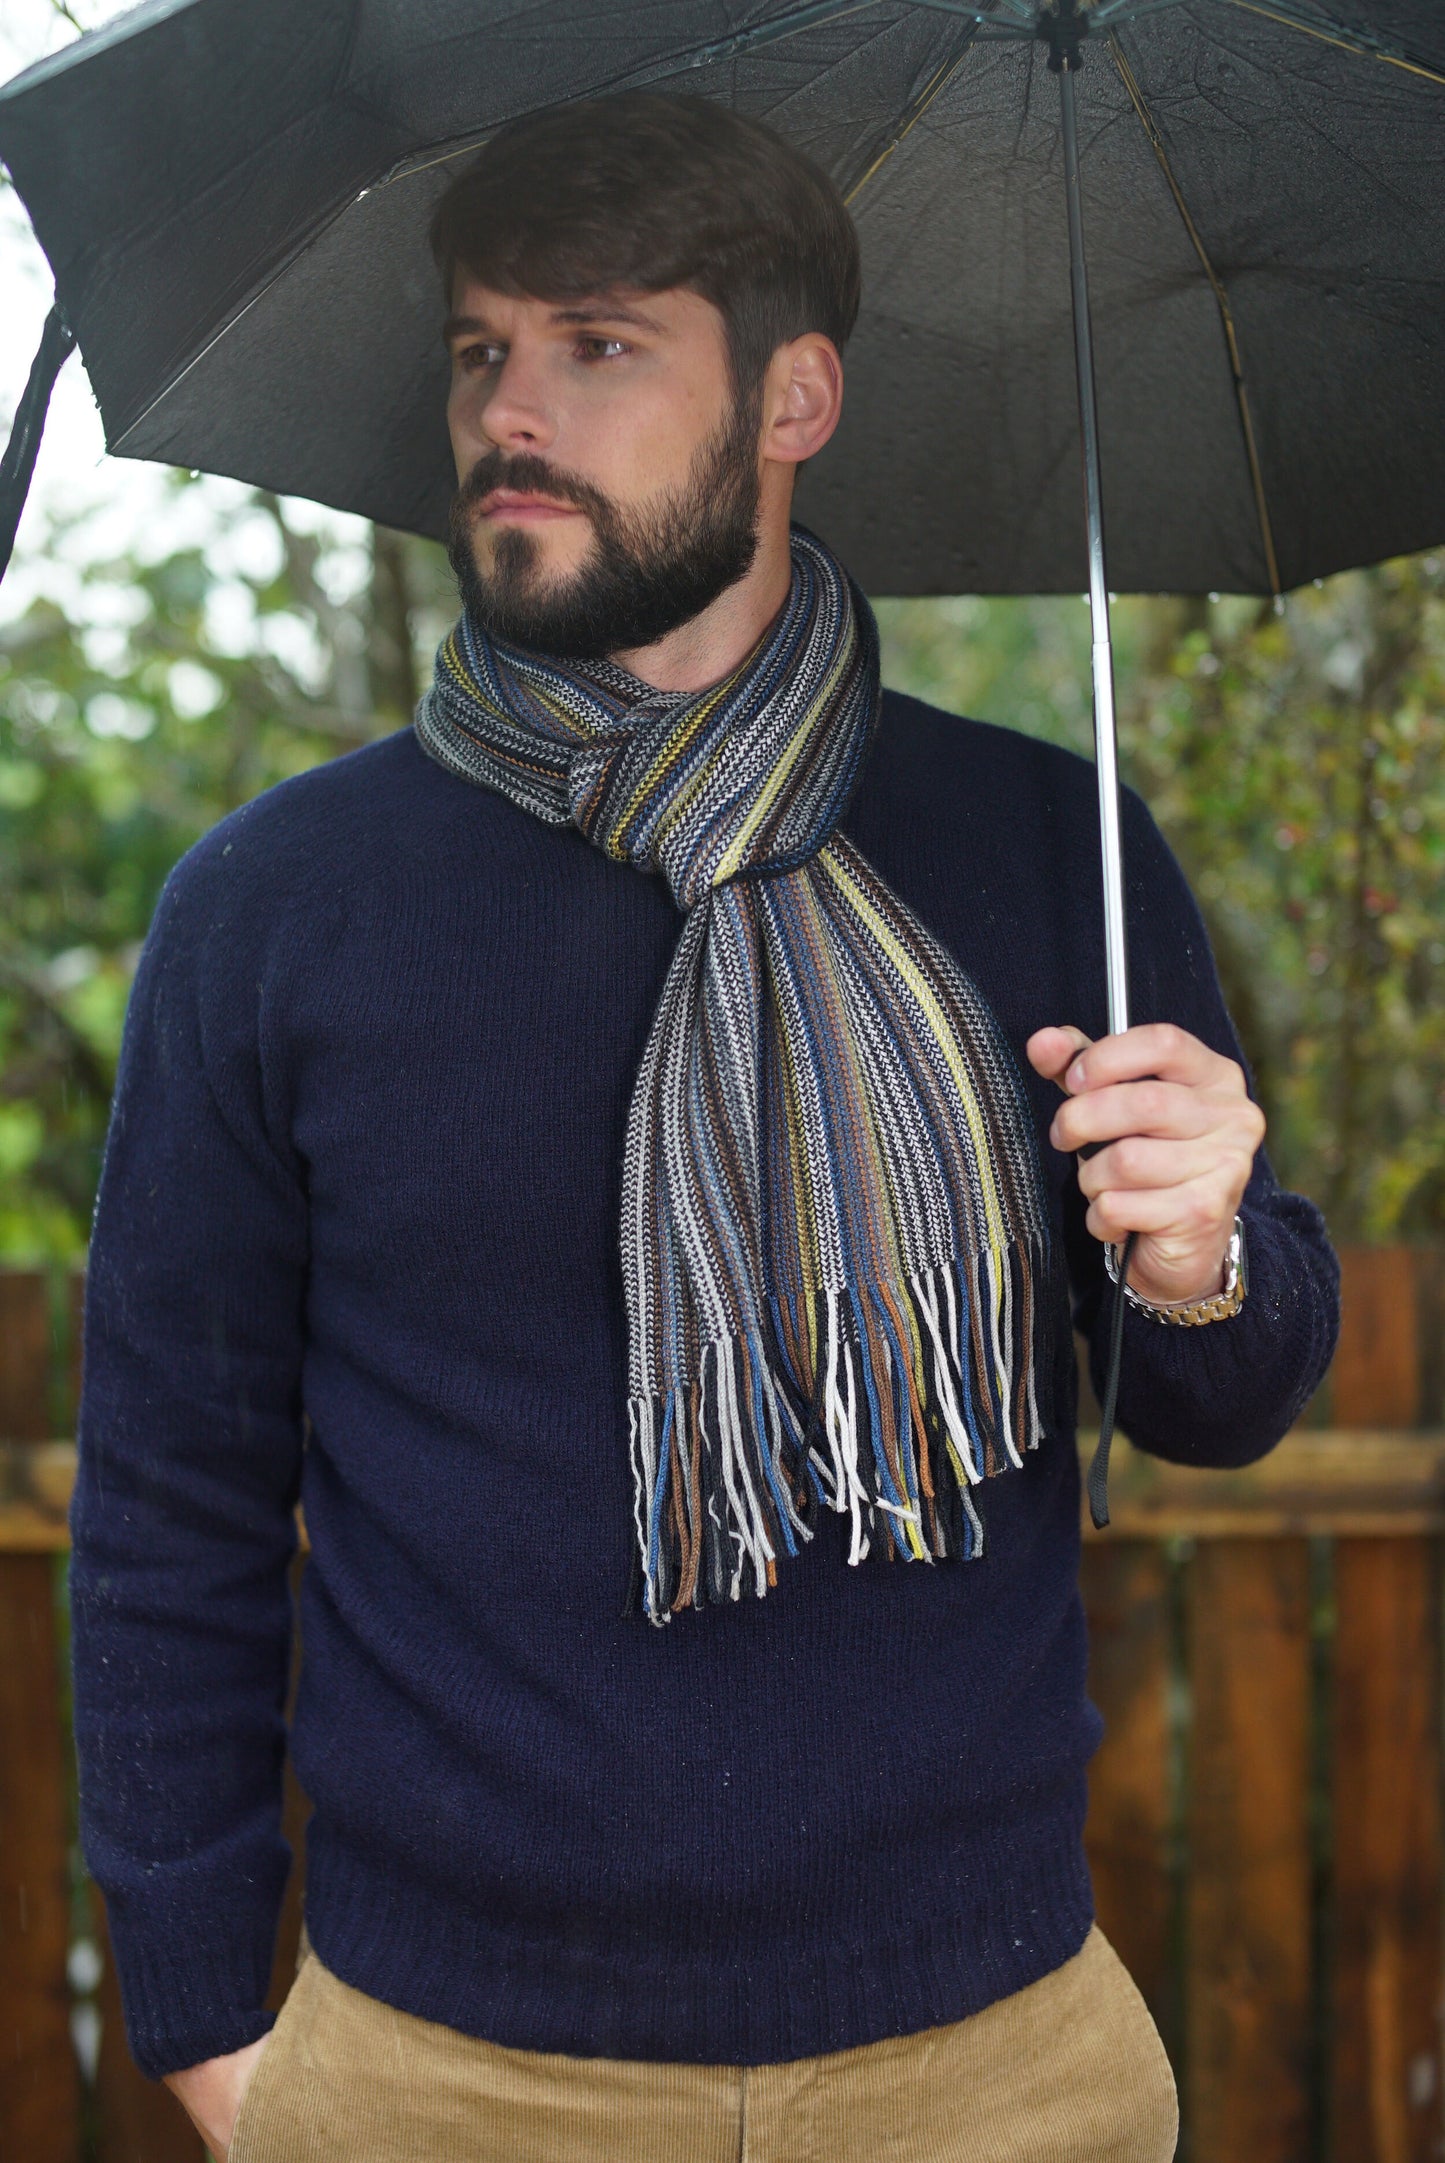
(701, 652)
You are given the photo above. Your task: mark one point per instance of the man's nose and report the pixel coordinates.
(513, 410)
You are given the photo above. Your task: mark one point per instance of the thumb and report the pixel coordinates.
(1051, 1050)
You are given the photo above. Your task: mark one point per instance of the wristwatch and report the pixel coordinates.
(1192, 1313)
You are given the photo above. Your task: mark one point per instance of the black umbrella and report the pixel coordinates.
(234, 197)
(234, 193)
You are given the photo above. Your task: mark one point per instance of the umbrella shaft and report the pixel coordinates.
(1105, 737)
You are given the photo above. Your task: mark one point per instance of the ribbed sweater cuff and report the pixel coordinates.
(192, 1986)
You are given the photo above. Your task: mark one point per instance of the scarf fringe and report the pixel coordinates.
(730, 1469)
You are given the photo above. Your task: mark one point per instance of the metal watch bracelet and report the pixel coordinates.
(1193, 1313)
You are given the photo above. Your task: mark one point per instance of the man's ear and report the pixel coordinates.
(803, 398)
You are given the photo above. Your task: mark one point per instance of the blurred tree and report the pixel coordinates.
(168, 692)
(1296, 761)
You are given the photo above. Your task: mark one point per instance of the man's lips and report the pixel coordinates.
(501, 503)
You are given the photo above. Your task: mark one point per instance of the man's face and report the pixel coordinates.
(608, 490)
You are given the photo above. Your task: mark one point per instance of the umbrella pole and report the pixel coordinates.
(1106, 753)
(1064, 29)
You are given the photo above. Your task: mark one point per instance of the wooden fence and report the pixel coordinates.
(1265, 1824)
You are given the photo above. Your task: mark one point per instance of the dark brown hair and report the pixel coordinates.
(653, 191)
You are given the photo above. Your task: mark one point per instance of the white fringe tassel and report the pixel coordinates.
(745, 1461)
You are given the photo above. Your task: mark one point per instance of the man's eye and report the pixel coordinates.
(598, 340)
(477, 356)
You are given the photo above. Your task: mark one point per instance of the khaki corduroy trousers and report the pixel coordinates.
(1069, 2070)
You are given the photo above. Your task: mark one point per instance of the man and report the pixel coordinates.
(797, 1871)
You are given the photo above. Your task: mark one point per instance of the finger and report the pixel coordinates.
(1137, 1161)
(1050, 1050)
(1165, 1109)
(1195, 1211)
(1155, 1047)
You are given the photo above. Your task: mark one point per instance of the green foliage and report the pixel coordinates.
(165, 694)
(1296, 761)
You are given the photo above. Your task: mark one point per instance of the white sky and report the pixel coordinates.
(117, 500)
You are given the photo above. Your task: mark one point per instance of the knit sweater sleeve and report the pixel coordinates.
(189, 1455)
(1226, 1393)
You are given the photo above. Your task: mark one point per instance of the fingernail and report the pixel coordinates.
(1076, 1074)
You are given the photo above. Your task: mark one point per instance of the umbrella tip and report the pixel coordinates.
(1062, 27)
(57, 342)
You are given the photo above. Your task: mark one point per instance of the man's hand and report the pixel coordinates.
(1181, 1133)
(210, 2093)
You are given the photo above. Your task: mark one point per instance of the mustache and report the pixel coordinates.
(527, 474)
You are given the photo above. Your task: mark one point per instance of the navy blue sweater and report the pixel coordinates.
(357, 1243)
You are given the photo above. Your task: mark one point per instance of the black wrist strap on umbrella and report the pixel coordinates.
(57, 342)
(1098, 1481)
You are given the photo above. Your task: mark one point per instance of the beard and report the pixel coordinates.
(647, 572)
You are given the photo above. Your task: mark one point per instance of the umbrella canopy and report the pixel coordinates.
(234, 197)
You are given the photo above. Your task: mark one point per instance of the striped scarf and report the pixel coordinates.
(834, 1241)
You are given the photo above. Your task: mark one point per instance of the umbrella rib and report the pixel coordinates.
(1011, 22)
(914, 112)
(780, 26)
(302, 247)
(771, 32)
(1127, 11)
(995, 29)
(1348, 40)
(1221, 297)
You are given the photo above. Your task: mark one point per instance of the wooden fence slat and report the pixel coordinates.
(1386, 1775)
(39, 2075)
(1248, 1902)
(25, 1356)
(1430, 1323)
(1375, 1378)
(1126, 1593)
(1387, 1995)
